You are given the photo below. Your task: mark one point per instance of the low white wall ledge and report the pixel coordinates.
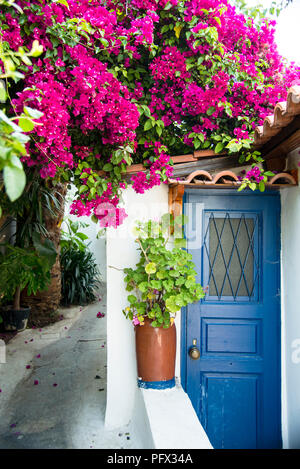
(173, 420)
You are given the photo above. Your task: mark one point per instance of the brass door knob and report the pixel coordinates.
(194, 352)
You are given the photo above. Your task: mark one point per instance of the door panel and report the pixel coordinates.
(230, 337)
(227, 392)
(235, 385)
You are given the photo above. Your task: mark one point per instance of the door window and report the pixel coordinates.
(231, 256)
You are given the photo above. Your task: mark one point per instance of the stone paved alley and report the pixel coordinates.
(53, 386)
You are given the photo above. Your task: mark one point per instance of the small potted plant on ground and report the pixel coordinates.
(163, 282)
(23, 268)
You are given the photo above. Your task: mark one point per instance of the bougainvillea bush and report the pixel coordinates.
(122, 82)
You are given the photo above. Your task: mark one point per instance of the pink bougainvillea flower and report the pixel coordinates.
(28, 367)
(55, 384)
(100, 315)
(38, 356)
(35, 382)
(218, 73)
(59, 63)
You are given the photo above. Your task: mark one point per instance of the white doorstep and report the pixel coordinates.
(173, 421)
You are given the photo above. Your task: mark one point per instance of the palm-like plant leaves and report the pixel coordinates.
(79, 276)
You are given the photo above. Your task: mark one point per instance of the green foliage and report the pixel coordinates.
(25, 268)
(164, 279)
(73, 237)
(258, 11)
(79, 271)
(79, 276)
(34, 253)
(13, 137)
(38, 203)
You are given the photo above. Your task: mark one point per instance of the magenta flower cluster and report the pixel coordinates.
(149, 74)
(254, 174)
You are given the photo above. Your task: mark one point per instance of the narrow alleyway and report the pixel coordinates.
(60, 399)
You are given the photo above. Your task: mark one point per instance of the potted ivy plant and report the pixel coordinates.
(23, 268)
(163, 282)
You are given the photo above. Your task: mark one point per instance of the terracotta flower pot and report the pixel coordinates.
(156, 352)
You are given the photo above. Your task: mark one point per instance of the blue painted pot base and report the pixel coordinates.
(156, 384)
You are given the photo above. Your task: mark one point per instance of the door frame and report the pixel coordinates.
(183, 319)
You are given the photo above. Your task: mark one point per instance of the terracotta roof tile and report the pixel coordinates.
(228, 179)
(284, 113)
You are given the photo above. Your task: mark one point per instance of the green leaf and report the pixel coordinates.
(180, 243)
(148, 124)
(82, 236)
(242, 186)
(197, 144)
(161, 274)
(14, 181)
(159, 131)
(8, 121)
(26, 124)
(2, 92)
(34, 113)
(82, 189)
(63, 2)
(143, 286)
(150, 268)
(210, 110)
(15, 161)
(219, 147)
(131, 299)
(45, 249)
(37, 48)
(171, 304)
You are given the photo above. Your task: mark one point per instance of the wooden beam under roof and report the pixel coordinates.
(285, 141)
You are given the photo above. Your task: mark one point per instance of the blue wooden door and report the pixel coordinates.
(235, 384)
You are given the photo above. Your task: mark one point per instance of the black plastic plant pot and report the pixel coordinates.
(15, 319)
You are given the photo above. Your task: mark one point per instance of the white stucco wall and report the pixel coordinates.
(122, 252)
(290, 296)
(124, 403)
(151, 412)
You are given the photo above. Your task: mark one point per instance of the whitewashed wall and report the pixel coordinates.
(123, 402)
(290, 295)
(122, 252)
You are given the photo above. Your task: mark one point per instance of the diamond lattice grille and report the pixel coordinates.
(232, 259)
